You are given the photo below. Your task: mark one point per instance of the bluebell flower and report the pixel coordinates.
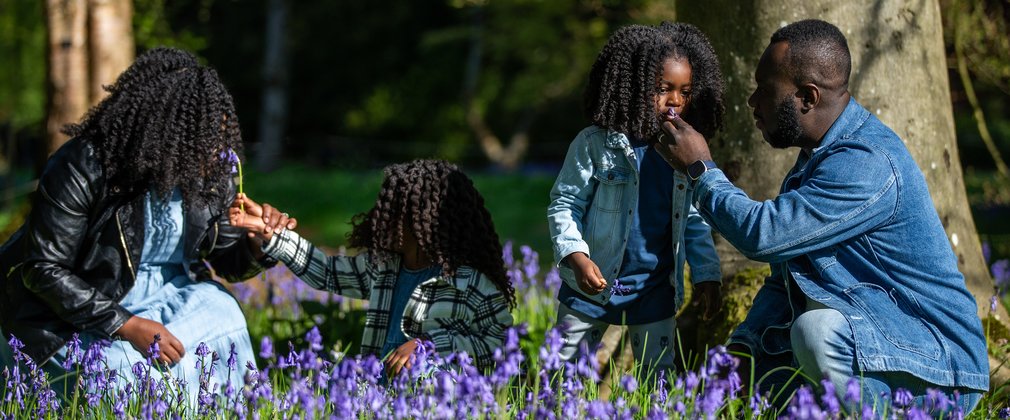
(506, 254)
(986, 252)
(1001, 273)
(154, 350)
(803, 406)
(629, 384)
(853, 392)
(232, 358)
(267, 348)
(618, 289)
(74, 353)
(830, 399)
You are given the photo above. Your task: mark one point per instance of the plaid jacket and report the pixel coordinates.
(466, 313)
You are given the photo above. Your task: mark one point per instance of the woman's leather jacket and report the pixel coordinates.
(76, 256)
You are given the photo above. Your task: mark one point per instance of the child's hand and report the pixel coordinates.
(400, 358)
(587, 273)
(262, 221)
(709, 295)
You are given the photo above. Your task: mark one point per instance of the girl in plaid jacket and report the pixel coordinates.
(430, 265)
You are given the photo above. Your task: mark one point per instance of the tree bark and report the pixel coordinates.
(890, 41)
(67, 59)
(110, 43)
(274, 112)
(90, 42)
(507, 157)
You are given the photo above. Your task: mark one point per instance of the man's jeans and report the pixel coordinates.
(652, 343)
(824, 348)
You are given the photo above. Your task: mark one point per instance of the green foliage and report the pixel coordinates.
(22, 75)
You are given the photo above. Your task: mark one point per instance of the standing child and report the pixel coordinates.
(620, 217)
(431, 265)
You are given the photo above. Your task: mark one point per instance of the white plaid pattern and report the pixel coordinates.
(465, 313)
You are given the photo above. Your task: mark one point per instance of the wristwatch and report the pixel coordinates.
(696, 169)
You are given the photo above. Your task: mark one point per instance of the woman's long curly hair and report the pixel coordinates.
(621, 91)
(168, 122)
(443, 210)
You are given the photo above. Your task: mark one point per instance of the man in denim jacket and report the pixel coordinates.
(864, 283)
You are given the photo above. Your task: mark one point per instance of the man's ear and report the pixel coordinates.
(810, 97)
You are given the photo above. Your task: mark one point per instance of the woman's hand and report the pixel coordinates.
(262, 221)
(399, 359)
(140, 333)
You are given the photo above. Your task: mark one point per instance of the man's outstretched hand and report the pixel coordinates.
(680, 144)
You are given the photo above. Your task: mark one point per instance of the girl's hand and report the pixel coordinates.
(399, 359)
(587, 273)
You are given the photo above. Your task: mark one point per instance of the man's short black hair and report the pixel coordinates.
(818, 53)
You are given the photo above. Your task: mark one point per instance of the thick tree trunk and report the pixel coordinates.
(110, 43)
(67, 57)
(90, 42)
(274, 112)
(899, 73)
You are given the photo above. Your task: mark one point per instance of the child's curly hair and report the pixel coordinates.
(446, 214)
(167, 122)
(620, 93)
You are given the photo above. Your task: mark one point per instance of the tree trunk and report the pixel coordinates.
(110, 43)
(90, 42)
(274, 112)
(506, 157)
(890, 41)
(67, 57)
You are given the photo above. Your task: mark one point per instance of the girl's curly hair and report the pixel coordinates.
(168, 122)
(443, 210)
(620, 92)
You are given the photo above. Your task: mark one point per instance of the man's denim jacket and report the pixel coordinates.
(856, 228)
(591, 206)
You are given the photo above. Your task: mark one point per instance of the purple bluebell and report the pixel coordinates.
(853, 392)
(829, 399)
(1001, 273)
(267, 348)
(74, 353)
(618, 289)
(986, 252)
(803, 406)
(506, 254)
(629, 384)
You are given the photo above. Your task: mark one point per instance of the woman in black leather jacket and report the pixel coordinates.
(127, 217)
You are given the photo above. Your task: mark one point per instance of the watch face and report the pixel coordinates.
(696, 169)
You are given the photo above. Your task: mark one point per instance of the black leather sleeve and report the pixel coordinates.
(55, 231)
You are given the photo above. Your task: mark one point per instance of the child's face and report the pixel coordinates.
(674, 87)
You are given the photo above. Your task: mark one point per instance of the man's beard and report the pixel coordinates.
(788, 131)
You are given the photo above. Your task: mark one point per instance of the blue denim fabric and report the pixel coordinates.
(824, 348)
(591, 209)
(855, 227)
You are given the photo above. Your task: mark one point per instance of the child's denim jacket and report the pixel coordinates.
(591, 211)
